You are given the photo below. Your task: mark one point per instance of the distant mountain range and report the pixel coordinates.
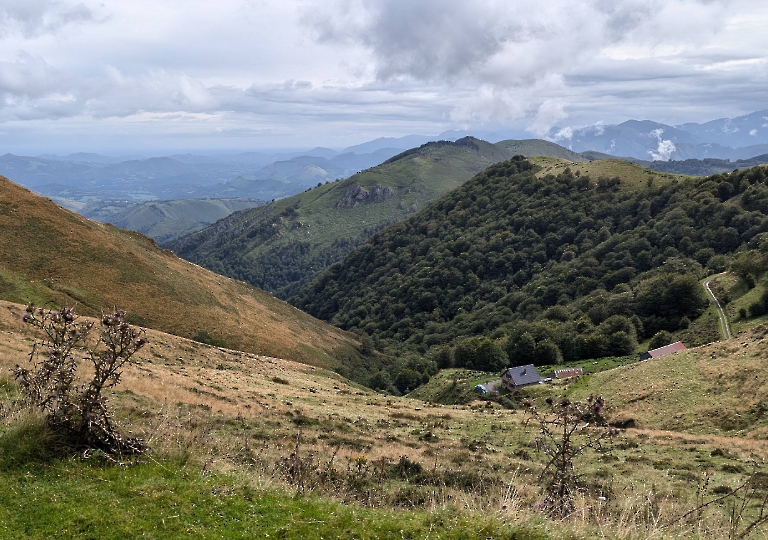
(166, 220)
(727, 138)
(80, 179)
(100, 186)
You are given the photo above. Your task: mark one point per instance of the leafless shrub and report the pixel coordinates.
(79, 410)
(566, 429)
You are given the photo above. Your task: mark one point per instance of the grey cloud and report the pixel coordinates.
(155, 91)
(520, 55)
(379, 67)
(31, 18)
(31, 88)
(29, 77)
(500, 42)
(428, 39)
(548, 114)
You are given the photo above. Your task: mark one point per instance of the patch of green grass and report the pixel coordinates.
(28, 442)
(741, 298)
(167, 499)
(452, 387)
(321, 359)
(590, 365)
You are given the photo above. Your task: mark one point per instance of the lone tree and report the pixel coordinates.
(72, 407)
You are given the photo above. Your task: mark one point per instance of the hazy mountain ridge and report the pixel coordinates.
(166, 220)
(79, 179)
(726, 138)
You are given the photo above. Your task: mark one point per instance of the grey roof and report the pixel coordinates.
(522, 375)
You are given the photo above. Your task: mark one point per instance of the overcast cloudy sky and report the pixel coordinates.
(167, 75)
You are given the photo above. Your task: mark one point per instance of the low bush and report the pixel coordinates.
(77, 411)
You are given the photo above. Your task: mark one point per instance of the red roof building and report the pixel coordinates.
(568, 372)
(663, 351)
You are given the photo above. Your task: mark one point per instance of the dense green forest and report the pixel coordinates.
(282, 246)
(520, 267)
(705, 167)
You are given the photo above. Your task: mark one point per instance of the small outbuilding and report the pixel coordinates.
(663, 351)
(516, 377)
(568, 372)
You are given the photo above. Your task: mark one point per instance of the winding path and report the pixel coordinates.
(725, 329)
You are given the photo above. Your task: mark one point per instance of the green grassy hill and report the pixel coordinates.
(715, 389)
(540, 263)
(166, 220)
(49, 255)
(283, 245)
(538, 147)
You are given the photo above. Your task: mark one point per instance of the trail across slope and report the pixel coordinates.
(723, 318)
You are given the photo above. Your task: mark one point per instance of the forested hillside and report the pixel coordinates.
(705, 167)
(282, 246)
(564, 266)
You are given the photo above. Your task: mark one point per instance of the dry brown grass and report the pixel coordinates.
(632, 175)
(248, 414)
(49, 254)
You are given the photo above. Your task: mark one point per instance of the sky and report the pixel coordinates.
(159, 76)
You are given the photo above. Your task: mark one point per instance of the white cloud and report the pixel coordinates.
(563, 134)
(549, 113)
(753, 132)
(665, 148)
(317, 71)
(728, 129)
(31, 18)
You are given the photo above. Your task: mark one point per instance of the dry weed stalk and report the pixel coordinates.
(566, 429)
(752, 494)
(79, 410)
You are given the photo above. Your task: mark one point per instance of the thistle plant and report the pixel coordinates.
(566, 429)
(79, 410)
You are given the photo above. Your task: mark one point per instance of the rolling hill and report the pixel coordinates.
(49, 255)
(547, 262)
(164, 221)
(281, 246)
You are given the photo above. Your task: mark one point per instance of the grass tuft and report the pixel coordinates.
(29, 441)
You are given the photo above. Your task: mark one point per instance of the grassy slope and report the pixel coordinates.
(538, 147)
(632, 176)
(220, 421)
(48, 254)
(166, 220)
(163, 500)
(715, 389)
